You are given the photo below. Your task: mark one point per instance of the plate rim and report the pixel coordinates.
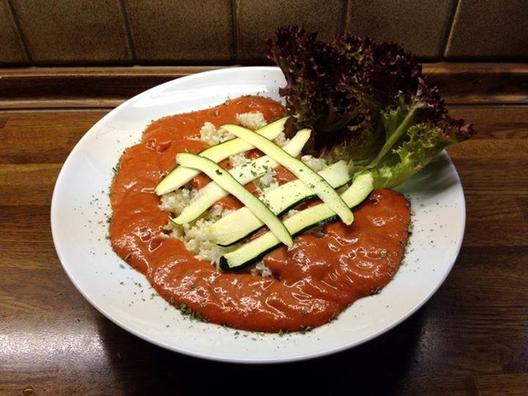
(54, 224)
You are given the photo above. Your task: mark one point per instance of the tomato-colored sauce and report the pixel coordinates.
(312, 283)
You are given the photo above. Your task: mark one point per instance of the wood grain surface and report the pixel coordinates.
(471, 338)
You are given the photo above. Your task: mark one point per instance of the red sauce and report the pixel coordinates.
(312, 283)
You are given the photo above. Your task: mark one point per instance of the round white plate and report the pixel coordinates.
(80, 208)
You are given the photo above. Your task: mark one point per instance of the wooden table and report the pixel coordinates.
(471, 338)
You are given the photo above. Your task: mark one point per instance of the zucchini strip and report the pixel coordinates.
(307, 218)
(240, 223)
(243, 174)
(181, 175)
(303, 172)
(224, 179)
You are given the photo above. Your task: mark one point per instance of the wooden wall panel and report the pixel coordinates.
(182, 31)
(73, 32)
(489, 29)
(419, 26)
(223, 32)
(11, 46)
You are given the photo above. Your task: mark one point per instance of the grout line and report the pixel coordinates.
(236, 33)
(449, 30)
(348, 16)
(20, 35)
(126, 24)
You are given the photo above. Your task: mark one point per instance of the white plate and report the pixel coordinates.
(78, 218)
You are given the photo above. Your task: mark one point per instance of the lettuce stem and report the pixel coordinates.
(393, 139)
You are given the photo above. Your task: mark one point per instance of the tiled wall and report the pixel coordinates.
(82, 32)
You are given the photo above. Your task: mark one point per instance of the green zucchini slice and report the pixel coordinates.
(224, 179)
(303, 220)
(181, 175)
(243, 174)
(240, 223)
(302, 171)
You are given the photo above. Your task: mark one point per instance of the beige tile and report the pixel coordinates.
(489, 29)
(259, 19)
(181, 31)
(420, 26)
(11, 49)
(73, 31)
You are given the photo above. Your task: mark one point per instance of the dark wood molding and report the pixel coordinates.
(481, 83)
(107, 87)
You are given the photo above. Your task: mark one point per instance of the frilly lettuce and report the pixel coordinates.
(366, 102)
